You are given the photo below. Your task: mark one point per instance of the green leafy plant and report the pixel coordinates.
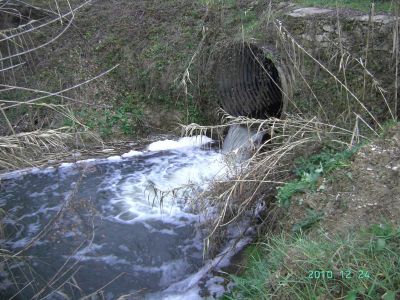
(309, 170)
(126, 118)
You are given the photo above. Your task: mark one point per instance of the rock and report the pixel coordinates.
(309, 11)
(376, 19)
(328, 28)
(320, 38)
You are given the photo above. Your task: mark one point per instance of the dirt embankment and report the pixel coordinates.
(165, 52)
(152, 43)
(366, 192)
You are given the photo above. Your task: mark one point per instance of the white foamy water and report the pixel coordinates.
(241, 141)
(161, 191)
(185, 142)
(141, 216)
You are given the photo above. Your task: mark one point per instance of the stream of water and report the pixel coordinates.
(122, 225)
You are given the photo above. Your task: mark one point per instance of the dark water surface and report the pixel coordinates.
(118, 225)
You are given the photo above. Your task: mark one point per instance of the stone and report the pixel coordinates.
(309, 11)
(376, 19)
(319, 38)
(328, 28)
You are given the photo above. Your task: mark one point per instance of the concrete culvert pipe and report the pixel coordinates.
(248, 83)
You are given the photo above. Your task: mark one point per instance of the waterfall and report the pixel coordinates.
(241, 140)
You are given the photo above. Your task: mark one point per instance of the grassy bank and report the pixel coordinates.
(363, 5)
(339, 234)
(309, 171)
(359, 265)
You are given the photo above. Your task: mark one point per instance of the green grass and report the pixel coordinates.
(124, 118)
(311, 218)
(363, 5)
(387, 126)
(361, 265)
(309, 170)
(213, 4)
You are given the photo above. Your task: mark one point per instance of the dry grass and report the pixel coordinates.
(38, 147)
(39, 26)
(294, 51)
(253, 182)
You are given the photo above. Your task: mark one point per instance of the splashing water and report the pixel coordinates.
(123, 225)
(240, 141)
(125, 221)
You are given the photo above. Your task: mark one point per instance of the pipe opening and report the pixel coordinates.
(248, 82)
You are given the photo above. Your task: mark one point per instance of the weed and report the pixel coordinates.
(362, 265)
(310, 170)
(126, 118)
(311, 218)
(363, 5)
(290, 188)
(386, 127)
(324, 162)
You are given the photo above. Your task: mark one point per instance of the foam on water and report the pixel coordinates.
(185, 142)
(159, 192)
(143, 222)
(131, 154)
(188, 288)
(114, 158)
(193, 141)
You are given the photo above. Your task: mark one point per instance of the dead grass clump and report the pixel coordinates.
(38, 147)
(24, 29)
(252, 183)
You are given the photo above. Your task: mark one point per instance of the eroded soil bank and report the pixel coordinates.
(365, 192)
